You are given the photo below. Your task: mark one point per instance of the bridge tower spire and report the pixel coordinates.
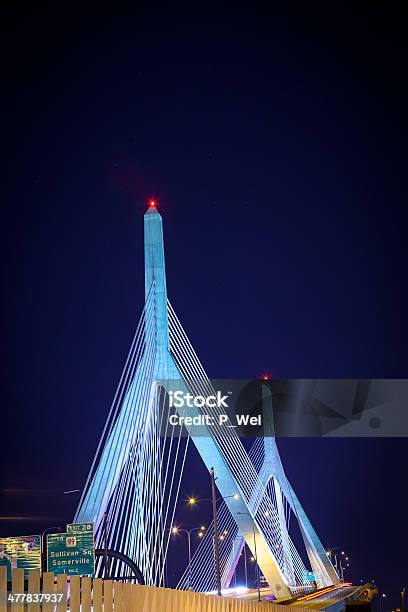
(155, 271)
(131, 469)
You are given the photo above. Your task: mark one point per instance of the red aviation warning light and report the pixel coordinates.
(266, 376)
(152, 203)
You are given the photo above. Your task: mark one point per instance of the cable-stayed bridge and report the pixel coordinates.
(137, 471)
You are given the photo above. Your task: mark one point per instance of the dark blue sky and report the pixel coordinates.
(275, 145)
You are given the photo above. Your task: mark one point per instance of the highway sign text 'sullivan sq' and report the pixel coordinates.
(72, 552)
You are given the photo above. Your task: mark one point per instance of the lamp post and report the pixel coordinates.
(338, 564)
(245, 565)
(402, 600)
(188, 532)
(216, 543)
(344, 556)
(192, 501)
(255, 556)
(44, 543)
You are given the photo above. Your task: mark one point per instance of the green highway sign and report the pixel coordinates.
(80, 528)
(72, 552)
(21, 551)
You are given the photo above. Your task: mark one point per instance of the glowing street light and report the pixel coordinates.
(175, 531)
(340, 564)
(194, 501)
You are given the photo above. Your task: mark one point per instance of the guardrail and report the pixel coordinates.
(61, 593)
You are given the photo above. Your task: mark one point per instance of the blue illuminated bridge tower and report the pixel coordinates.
(136, 474)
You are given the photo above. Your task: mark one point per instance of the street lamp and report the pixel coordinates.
(44, 542)
(216, 543)
(255, 555)
(339, 568)
(200, 530)
(193, 501)
(402, 600)
(245, 565)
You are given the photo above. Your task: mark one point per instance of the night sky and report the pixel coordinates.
(275, 144)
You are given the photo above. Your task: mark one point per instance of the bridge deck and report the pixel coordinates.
(331, 598)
